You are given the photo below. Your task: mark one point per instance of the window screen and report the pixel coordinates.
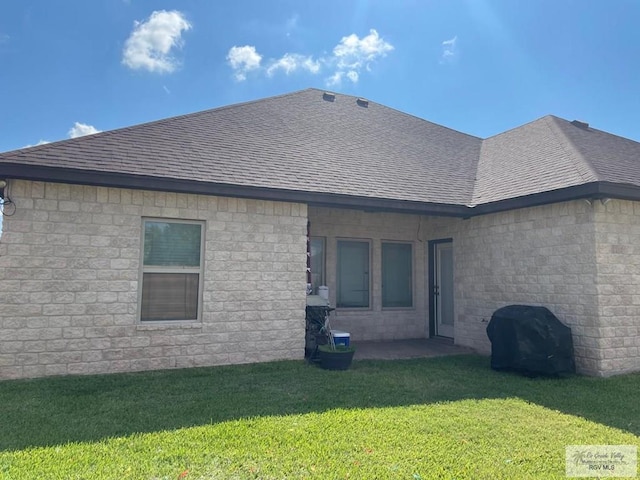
(353, 274)
(397, 275)
(172, 270)
(317, 262)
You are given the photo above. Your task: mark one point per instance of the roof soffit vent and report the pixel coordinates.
(580, 124)
(328, 96)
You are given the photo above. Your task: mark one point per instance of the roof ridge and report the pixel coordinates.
(106, 133)
(397, 110)
(479, 164)
(587, 172)
(517, 127)
(476, 176)
(591, 173)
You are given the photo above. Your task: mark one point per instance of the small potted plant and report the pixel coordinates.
(332, 356)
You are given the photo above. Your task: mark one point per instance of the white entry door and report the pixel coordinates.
(443, 289)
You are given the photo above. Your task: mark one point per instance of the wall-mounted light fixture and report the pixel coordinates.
(591, 201)
(7, 207)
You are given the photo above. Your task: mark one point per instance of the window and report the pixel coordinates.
(171, 270)
(353, 274)
(317, 262)
(397, 275)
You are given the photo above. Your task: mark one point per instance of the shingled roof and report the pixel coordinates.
(333, 149)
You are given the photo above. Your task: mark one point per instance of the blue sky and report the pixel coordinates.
(71, 67)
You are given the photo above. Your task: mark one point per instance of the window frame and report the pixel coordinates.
(323, 276)
(171, 269)
(413, 282)
(369, 242)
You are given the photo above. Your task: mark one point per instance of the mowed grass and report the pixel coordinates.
(418, 419)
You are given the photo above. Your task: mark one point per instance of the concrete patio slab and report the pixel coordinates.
(412, 348)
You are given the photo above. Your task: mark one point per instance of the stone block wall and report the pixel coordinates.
(617, 230)
(536, 256)
(70, 275)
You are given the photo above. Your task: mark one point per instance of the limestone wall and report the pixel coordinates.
(70, 273)
(617, 230)
(70, 278)
(536, 256)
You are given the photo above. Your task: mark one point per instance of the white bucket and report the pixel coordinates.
(323, 291)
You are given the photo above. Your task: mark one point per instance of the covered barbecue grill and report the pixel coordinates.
(530, 340)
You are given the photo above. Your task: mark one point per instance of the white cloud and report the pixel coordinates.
(81, 129)
(291, 62)
(352, 55)
(151, 42)
(348, 59)
(40, 142)
(78, 130)
(242, 60)
(291, 25)
(353, 52)
(449, 50)
(335, 79)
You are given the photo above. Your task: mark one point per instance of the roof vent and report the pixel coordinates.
(363, 102)
(579, 124)
(328, 96)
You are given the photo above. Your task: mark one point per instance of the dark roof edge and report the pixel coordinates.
(593, 190)
(590, 191)
(143, 182)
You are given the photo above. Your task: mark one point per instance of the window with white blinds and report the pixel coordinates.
(171, 270)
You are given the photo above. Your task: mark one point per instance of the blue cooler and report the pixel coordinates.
(341, 338)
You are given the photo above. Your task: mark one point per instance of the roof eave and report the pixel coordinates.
(590, 191)
(593, 190)
(164, 184)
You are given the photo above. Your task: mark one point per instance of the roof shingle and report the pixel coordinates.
(304, 142)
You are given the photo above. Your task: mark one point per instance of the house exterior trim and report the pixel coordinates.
(593, 190)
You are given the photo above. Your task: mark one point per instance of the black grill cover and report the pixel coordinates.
(530, 340)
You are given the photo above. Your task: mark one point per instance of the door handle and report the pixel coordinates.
(436, 290)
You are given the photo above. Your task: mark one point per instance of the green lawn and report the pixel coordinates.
(417, 419)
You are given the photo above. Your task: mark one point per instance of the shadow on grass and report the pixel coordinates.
(52, 411)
